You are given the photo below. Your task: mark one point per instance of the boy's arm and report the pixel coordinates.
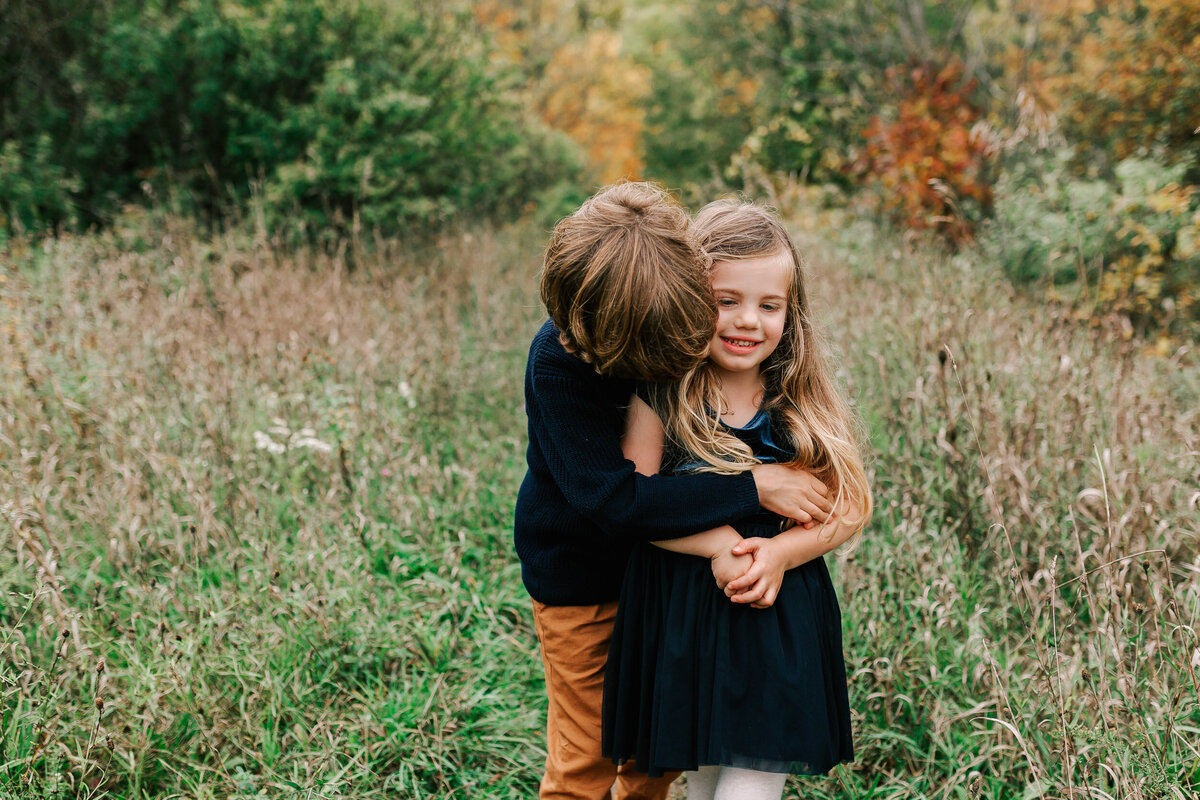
(583, 453)
(582, 449)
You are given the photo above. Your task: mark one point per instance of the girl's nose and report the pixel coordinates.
(747, 318)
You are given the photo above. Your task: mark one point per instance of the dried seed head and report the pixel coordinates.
(99, 703)
(100, 666)
(942, 356)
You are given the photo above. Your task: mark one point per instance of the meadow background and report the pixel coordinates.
(267, 278)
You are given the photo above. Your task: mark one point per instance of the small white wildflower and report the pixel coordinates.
(264, 442)
(406, 393)
(312, 443)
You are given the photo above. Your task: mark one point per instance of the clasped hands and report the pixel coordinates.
(751, 571)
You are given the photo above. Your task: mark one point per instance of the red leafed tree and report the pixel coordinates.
(926, 167)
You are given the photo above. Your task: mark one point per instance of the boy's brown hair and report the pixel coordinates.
(627, 286)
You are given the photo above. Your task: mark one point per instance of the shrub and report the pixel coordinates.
(389, 114)
(924, 165)
(412, 131)
(1047, 227)
(34, 190)
(1131, 248)
(1153, 265)
(1131, 80)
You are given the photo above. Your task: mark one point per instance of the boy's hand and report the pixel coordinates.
(728, 566)
(759, 586)
(792, 492)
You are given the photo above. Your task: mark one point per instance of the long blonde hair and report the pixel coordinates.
(800, 394)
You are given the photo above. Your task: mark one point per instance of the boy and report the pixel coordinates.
(628, 295)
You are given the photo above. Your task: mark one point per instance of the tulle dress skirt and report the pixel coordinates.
(695, 680)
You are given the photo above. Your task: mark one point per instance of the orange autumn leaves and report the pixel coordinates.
(582, 82)
(593, 93)
(1137, 83)
(926, 162)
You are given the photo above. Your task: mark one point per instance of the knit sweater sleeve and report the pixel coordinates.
(582, 449)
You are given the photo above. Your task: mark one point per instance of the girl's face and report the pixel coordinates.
(752, 297)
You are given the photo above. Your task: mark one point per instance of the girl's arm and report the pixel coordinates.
(773, 557)
(642, 443)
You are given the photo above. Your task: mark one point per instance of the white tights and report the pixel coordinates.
(730, 783)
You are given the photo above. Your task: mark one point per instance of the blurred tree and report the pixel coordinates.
(1122, 76)
(385, 112)
(926, 166)
(1132, 83)
(578, 76)
(785, 85)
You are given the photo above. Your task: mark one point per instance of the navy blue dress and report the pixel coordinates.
(695, 680)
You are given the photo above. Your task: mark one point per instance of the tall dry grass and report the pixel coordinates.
(257, 509)
(1025, 615)
(273, 499)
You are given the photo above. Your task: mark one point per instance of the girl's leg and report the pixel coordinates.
(702, 784)
(747, 784)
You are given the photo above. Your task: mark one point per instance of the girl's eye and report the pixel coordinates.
(725, 302)
(770, 307)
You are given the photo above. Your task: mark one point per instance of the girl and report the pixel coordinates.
(740, 693)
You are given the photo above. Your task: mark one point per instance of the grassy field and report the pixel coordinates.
(256, 513)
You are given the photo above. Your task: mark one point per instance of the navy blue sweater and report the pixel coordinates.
(582, 505)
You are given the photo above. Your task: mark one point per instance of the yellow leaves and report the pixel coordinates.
(1173, 199)
(797, 133)
(1148, 276)
(758, 20)
(1187, 241)
(591, 91)
(588, 88)
(747, 90)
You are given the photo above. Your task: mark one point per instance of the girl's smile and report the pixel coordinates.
(740, 346)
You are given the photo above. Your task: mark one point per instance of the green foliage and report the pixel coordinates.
(702, 88)
(387, 116)
(1134, 245)
(34, 190)
(818, 104)
(747, 85)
